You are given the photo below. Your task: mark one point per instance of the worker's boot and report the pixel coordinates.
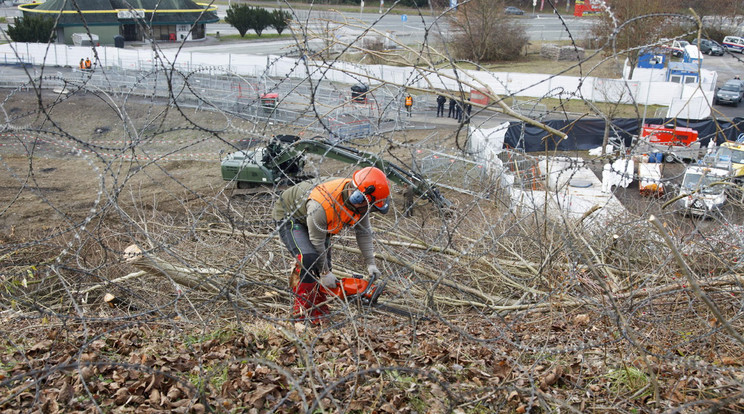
(309, 303)
(302, 304)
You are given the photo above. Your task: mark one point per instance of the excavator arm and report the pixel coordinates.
(418, 183)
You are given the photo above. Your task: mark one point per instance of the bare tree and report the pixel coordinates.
(714, 7)
(483, 33)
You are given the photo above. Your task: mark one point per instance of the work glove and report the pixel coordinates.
(329, 280)
(373, 271)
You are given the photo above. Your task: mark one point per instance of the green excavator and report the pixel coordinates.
(282, 162)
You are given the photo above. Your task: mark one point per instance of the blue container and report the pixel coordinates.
(656, 157)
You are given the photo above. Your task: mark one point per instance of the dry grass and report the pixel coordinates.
(595, 64)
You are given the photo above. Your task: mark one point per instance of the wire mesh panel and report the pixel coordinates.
(453, 171)
(525, 169)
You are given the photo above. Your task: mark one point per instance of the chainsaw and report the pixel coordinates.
(352, 288)
(366, 293)
(356, 289)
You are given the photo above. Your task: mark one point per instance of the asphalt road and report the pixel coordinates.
(407, 29)
(727, 66)
(414, 27)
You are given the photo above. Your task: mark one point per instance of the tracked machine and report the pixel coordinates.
(282, 163)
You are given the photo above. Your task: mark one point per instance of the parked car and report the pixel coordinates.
(698, 195)
(734, 153)
(513, 10)
(677, 47)
(733, 44)
(710, 47)
(731, 92)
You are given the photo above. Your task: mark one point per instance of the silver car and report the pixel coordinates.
(513, 10)
(710, 47)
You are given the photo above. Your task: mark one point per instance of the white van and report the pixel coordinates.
(733, 44)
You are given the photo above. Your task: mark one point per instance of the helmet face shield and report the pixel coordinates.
(382, 206)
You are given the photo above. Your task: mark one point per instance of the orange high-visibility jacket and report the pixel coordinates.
(409, 100)
(330, 196)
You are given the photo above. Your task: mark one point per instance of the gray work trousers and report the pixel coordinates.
(296, 238)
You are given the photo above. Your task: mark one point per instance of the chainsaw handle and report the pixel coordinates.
(370, 285)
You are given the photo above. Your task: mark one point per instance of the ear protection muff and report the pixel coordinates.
(357, 197)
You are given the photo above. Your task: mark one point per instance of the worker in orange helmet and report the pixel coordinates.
(310, 212)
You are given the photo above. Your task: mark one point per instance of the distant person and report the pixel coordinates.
(88, 64)
(82, 64)
(440, 105)
(452, 110)
(458, 111)
(468, 109)
(408, 198)
(409, 104)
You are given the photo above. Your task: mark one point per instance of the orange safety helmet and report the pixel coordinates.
(373, 184)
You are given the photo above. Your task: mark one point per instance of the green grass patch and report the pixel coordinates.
(249, 36)
(214, 375)
(220, 334)
(628, 380)
(346, 8)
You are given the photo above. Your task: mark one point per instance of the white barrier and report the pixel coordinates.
(501, 83)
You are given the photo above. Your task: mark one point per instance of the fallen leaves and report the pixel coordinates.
(41, 347)
(254, 370)
(551, 378)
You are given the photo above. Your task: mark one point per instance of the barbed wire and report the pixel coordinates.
(135, 276)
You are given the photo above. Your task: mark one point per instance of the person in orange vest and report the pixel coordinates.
(82, 63)
(308, 213)
(409, 104)
(87, 64)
